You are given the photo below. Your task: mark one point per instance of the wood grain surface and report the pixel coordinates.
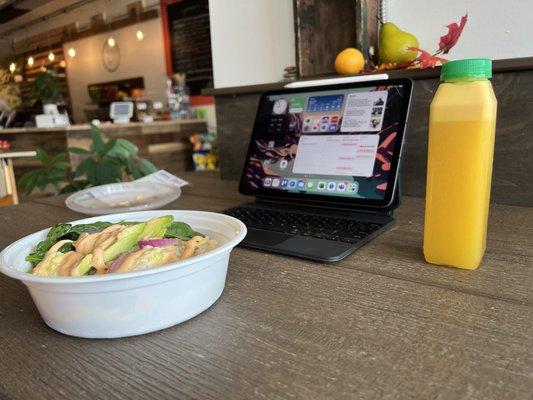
(381, 324)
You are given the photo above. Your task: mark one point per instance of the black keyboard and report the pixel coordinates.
(318, 226)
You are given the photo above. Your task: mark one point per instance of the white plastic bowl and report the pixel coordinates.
(132, 303)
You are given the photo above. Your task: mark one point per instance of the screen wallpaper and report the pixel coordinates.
(337, 142)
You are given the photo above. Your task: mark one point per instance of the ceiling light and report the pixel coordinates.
(63, 64)
(12, 67)
(140, 35)
(72, 52)
(30, 61)
(111, 41)
(51, 56)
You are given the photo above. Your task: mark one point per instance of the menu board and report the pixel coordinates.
(191, 42)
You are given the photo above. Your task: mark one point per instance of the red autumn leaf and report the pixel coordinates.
(454, 32)
(426, 60)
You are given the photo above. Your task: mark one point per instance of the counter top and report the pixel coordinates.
(104, 127)
(381, 324)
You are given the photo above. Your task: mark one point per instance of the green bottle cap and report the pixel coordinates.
(469, 69)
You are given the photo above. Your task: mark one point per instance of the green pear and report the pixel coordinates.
(393, 44)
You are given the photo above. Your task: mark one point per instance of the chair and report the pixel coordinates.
(8, 185)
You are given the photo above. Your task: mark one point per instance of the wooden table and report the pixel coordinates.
(381, 324)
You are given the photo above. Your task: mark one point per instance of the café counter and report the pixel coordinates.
(165, 142)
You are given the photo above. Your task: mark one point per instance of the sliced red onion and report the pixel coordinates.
(118, 261)
(157, 242)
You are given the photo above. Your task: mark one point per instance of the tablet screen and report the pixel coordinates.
(340, 142)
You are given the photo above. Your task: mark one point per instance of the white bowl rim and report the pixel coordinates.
(70, 202)
(26, 277)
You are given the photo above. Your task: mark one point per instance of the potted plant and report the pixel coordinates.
(47, 88)
(106, 161)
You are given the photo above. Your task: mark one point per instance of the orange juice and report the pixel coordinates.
(461, 145)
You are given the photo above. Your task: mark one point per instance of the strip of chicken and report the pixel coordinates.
(71, 260)
(190, 247)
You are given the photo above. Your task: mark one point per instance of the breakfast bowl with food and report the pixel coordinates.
(125, 274)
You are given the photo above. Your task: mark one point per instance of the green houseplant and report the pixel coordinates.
(106, 161)
(47, 87)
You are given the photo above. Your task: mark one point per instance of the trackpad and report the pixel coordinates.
(260, 237)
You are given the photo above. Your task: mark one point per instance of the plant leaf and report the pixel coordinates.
(84, 166)
(181, 230)
(78, 150)
(30, 184)
(42, 156)
(41, 180)
(108, 171)
(98, 141)
(146, 167)
(59, 157)
(128, 146)
(132, 168)
(74, 186)
(61, 165)
(426, 60)
(24, 179)
(449, 40)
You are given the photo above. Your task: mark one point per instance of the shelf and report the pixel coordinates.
(505, 65)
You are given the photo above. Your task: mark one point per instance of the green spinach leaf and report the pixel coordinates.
(181, 230)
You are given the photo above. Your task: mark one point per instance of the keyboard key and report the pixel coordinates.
(322, 227)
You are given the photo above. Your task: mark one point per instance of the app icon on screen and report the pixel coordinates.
(323, 127)
(292, 183)
(283, 164)
(275, 182)
(284, 183)
(301, 184)
(321, 185)
(332, 186)
(335, 119)
(325, 119)
(341, 186)
(353, 187)
(333, 127)
(267, 182)
(310, 184)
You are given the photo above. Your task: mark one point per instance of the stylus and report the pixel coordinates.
(337, 81)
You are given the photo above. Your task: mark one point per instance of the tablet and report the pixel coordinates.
(336, 144)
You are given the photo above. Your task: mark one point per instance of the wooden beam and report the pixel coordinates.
(367, 28)
(322, 30)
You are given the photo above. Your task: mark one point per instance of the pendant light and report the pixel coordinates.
(51, 56)
(12, 67)
(30, 61)
(139, 34)
(72, 52)
(111, 41)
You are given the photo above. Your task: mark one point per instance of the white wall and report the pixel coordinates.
(137, 58)
(252, 40)
(495, 29)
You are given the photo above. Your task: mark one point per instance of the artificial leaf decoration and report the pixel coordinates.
(454, 32)
(427, 60)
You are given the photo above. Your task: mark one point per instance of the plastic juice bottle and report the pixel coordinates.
(462, 127)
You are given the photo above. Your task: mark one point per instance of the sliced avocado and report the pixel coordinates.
(125, 241)
(156, 227)
(83, 267)
(50, 264)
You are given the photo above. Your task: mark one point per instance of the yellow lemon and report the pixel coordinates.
(349, 61)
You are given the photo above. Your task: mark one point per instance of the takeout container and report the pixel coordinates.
(131, 303)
